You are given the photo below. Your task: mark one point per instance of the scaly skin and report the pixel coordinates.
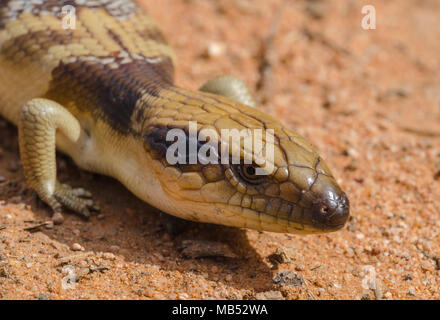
(104, 94)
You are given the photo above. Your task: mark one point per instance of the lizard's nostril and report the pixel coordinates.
(333, 210)
(324, 210)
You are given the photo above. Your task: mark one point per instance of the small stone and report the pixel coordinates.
(408, 277)
(108, 256)
(269, 295)
(49, 225)
(352, 166)
(411, 291)
(437, 262)
(288, 278)
(42, 296)
(183, 296)
(193, 249)
(2, 179)
(299, 267)
(76, 247)
(215, 49)
(76, 232)
(114, 248)
(388, 295)
(278, 257)
(360, 236)
(228, 277)
(57, 218)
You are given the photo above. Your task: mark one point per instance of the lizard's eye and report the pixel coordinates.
(248, 172)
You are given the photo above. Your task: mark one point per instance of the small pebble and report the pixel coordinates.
(183, 296)
(2, 179)
(278, 257)
(76, 232)
(215, 49)
(114, 248)
(76, 247)
(269, 295)
(360, 236)
(108, 256)
(299, 267)
(411, 291)
(42, 296)
(288, 278)
(228, 277)
(193, 249)
(388, 295)
(49, 225)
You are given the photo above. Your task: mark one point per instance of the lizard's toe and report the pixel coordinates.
(77, 200)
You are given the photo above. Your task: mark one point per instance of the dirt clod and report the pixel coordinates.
(288, 278)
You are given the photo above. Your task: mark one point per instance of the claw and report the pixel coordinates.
(80, 192)
(78, 200)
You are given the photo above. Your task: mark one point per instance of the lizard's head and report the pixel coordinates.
(277, 183)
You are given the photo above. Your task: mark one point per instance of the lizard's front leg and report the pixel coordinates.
(38, 124)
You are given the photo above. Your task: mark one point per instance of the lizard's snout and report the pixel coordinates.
(332, 210)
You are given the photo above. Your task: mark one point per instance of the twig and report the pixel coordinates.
(315, 267)
(269, 58)
(100, 269)
(326, 42)
(36, 227)
(421, 132)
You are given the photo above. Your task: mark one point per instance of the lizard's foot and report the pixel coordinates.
(40, 119)
(78, 200)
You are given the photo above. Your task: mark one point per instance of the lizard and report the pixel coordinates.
(102, 91)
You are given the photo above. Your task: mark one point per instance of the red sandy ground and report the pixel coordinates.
(369, 101)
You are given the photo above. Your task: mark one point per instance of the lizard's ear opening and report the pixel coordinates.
(155, 142)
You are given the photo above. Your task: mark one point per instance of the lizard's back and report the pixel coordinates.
(81, 63)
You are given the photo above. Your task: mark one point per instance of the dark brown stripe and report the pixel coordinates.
(110, 94)
(11, 10)
(43, 40)
(153, 34)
